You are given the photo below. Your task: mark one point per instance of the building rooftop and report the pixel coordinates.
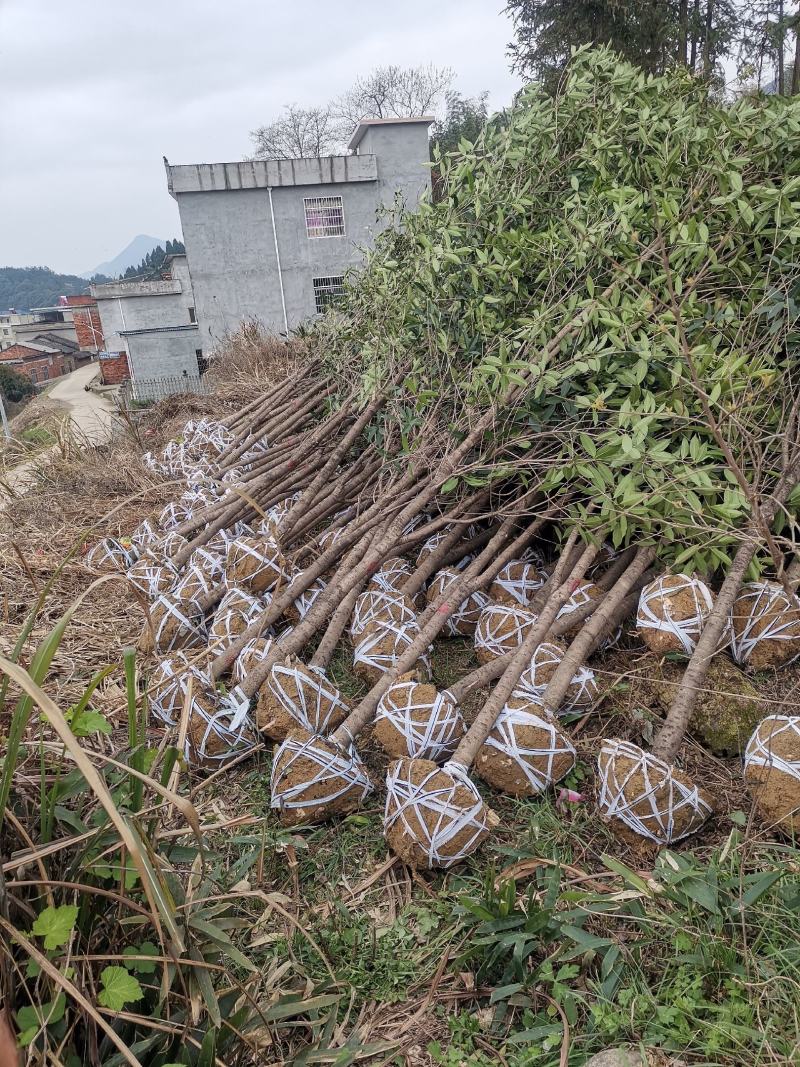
(365, 124)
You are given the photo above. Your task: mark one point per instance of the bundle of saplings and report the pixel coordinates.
(592, 336)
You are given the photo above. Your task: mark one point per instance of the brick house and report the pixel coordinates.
(37, 362)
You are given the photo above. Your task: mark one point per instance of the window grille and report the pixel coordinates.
(324, 216)
(326, 290)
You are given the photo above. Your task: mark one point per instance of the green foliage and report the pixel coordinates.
(647, 34)
(55, 925)
(23, 288)
(15, 386)
(615, 268)
(118, 988)
(153, 263)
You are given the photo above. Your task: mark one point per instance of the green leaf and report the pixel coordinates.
(33, 1018)
(147, 948)
(55, 925)
(119, 988)
(90, 722)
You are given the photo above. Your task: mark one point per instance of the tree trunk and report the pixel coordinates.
(695, 31)
(796, 66)
(683, 30)
(781, 39)
(707, 38)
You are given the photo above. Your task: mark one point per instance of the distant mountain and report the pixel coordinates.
(23, 288)
(130, 256)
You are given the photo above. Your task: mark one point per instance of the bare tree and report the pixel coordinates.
(393, 92)
(300, 131)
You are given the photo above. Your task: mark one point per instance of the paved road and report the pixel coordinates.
(91, 414)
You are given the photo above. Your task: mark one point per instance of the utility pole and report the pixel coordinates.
(4, 418)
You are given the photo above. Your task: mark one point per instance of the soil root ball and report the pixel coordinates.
(583, 690)
(174, 514)
(211, 563)
(313, 779)
(297, 611)
(772, 771)
(220, 729)
(194, 584)
(501, 629)
(151, 578)
(766, 626)
(144, 534)
(580, 596)
(464, 615)
(166, 547)
(516, 583)
(169, 686)
(377, 606)
(254, 652)
(234, 613)
(382, 645)
(177, 623)
(299, 696)
(255, 565)
(393, 572)
(414, 719)
(434, 816)
(672, 612)
(525, 753)
(111, 554)
(646, 797)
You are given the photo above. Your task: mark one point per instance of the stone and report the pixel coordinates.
(617, 1057)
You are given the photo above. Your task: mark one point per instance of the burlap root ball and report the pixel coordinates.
(772, 771)
(525, 752)
(312, 779)
(168, 687)
(254, 653)
(434, 816)
(378, 606)
(516, 584)
(298, 610)
(381, 646)
(463, 616)
(414, 719)
(644, 797)
(501, 629)
(255, 565)
(217, 731)
(234, 613)
(766, 626)
(295, 695)
(175, 624)
(672, 612)
(584, 593)
(151, 578)
(112, 555)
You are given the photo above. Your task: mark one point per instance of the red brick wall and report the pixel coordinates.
(88, 330)
(114, 371)
(41, 369)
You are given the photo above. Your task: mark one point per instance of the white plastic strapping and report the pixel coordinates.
(661, 794)
(537, 762)
(436, 805)
(502, 629)
(755, 601)
(686, 631)
(312, 700)
(520, 580)
(371, 650)
(761, 753)
(378, 606)
(337, 770)
(430, 730)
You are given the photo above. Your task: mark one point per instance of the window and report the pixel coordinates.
(326, 290)
(202, 362)
(192, 316)
(324, 216)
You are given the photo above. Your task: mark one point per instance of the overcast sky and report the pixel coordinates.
(93, 93)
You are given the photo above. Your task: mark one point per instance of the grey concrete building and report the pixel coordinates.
(153, 323)
(272, 239)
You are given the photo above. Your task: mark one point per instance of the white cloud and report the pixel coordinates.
(95, 93)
